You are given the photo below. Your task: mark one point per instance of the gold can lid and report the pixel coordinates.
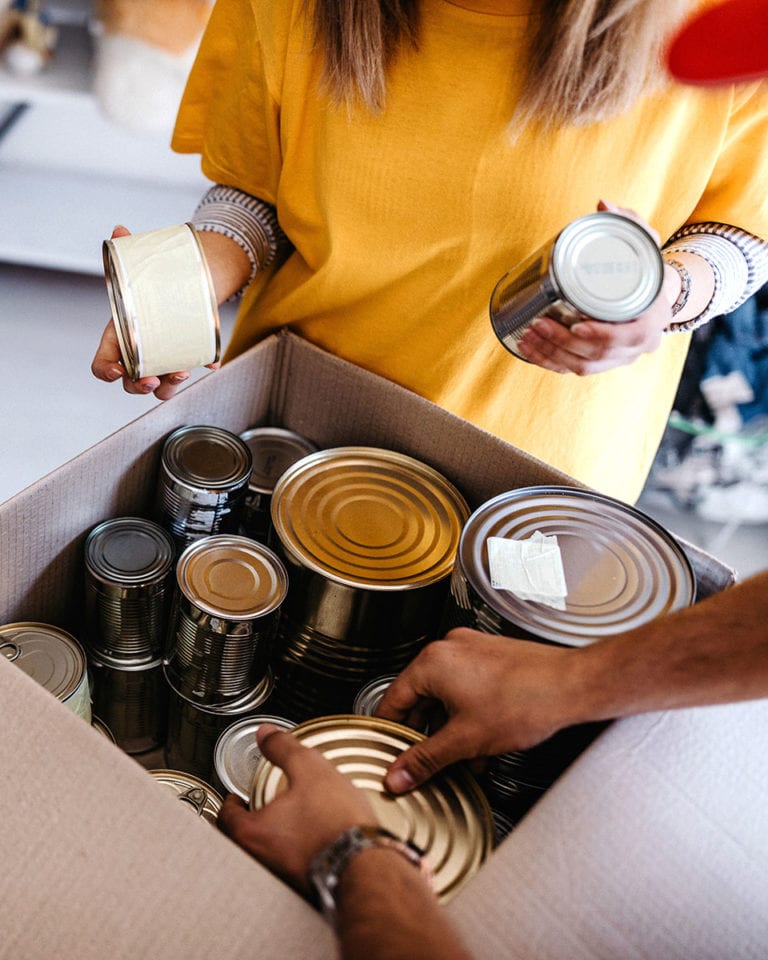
(193, 792)
(232, 577)
(50, 656)
(363, 516)
(448, 818)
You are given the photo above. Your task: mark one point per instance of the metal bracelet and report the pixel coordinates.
(685, 285)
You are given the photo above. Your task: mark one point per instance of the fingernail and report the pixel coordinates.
(399, 781)
(179, 378)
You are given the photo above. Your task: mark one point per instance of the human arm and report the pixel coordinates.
(501, 694)
(386, 909)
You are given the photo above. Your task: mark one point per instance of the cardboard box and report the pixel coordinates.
(654, 844)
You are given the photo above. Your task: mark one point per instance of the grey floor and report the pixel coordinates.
(51, 407)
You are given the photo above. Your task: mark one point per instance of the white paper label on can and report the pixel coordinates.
(532, 569)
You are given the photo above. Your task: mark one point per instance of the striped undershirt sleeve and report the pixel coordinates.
(739, 262)
(249, 221)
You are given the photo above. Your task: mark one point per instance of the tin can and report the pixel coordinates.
(53, 658)
(163, 302)
(195, 794)
(132, 698)
(273, 450)
(100, 727)
(128, 585)
(369, 538)
(447, 818)
(194, 728)
(604, 265)
(369, 696)
(236, 753)
(203, 483)
(224, 617)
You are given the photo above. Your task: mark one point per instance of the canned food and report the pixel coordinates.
(128, 563)
(194, 793)
(369, 538)
(132, 697)
(447, 818)
(236, 754)
(53, 658)
(203, 483)
(369, 696)
(604, 265)
(163, 302)
(194, 728)
(230, 589)
(273, 450)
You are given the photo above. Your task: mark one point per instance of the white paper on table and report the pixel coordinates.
(532, 569)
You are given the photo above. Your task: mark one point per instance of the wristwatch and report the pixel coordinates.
(327, 867)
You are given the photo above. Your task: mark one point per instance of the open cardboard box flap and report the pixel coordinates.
(654, 844)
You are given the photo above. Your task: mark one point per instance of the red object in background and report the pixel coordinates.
(726, 43)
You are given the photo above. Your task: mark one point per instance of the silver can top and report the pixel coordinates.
(607, 266)
(237, 753)
(273, 450)
(50, 656)
(209, 458)
(129, 551)
(369, 696)
(232, 577)
(621, 568)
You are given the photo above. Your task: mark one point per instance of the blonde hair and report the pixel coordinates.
(589, 59)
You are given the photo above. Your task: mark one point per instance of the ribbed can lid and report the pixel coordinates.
(369, 696)
(607, 266)
(236, 754)
(129, 551)
(368, 517)
(205, 457)
(232, 577)
(273, 450)
(448, 818)
(190, 790)
(50, 656)
(622, 569)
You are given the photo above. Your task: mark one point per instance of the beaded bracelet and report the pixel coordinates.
(685, 285)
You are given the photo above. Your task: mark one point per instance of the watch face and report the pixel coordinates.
(448, 818)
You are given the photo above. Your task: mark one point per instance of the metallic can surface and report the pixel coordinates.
(194, 728)
(162, 299)
(622, 569)
(222, 627)
(98, 724)
(369, 696)
(194, 793)
(132, 699)
(369, 538)
(203, 483)
(129, 565)
(447, 818)
(603, 265)
(236, 753)
(273, 450)
(53, 658)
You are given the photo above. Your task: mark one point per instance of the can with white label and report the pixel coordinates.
(604, 266)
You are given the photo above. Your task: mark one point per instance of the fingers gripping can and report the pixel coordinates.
(604, 266)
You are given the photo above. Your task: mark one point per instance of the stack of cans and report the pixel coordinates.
(128, 587)
(621, 570)
(229, 591)
(369, 538)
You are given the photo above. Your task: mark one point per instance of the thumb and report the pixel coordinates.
(423, 760)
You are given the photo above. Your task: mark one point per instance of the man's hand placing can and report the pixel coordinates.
(594, 346)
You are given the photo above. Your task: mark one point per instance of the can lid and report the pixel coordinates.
(193, 792)
(621, 568)
(369, 517)
(129, 551)
(273, 450)
(607, 266)
(49, 655)
(368, 697)
(236, 754)
(232, 577)
(207, 457)
(447, 818)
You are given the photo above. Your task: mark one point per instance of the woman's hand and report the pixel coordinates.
(593, 346)
(317, 807)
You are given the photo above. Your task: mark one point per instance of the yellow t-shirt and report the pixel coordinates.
(402, 222)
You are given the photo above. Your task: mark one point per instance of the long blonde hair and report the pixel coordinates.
(589, 59)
